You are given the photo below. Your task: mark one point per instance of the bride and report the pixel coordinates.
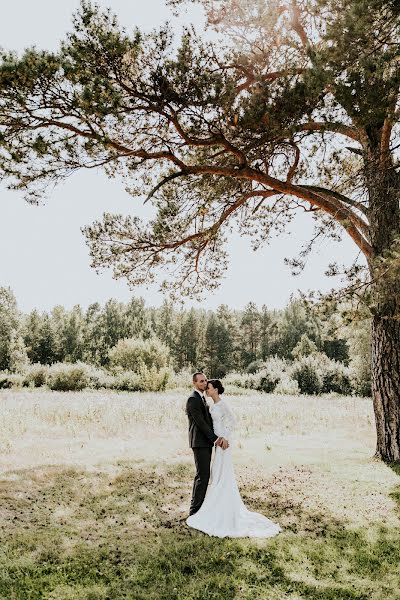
(223, 513)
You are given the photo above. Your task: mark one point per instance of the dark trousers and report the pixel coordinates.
(202, 459)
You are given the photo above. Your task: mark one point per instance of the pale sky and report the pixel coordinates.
(43, 256)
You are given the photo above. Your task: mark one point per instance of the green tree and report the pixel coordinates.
(94, 349)
(18, 354)
(333, 341)
(165, 324)
(250, 334)
(218, 347)
(229, 346)
(294, 322)
(213, 365)
(137, 319)
(58, 317)
(188, 349)
(268, 332)
(294, 105)
(45, 349)
(113, 325)
(31, 328)
(72, 334)
(9, 322)
(304, 347)
(358, 335)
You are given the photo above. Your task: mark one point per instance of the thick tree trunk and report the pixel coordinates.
(384, 215)
(386, 386)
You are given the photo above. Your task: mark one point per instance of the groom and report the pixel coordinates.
(201, 439)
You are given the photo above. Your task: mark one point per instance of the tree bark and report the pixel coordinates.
(386, 386)
(384, 215)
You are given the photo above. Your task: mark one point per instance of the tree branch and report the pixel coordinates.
(340, 197)
(163, 182)
(272, 76)
(293, 167)
(343, 215)
(208, 233)
(385, 141)
(330, 126)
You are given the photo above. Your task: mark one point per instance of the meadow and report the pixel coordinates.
(95, 487)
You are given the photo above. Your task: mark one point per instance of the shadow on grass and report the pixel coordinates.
(69, 535)
(395, 495)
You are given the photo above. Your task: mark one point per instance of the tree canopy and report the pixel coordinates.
(274, 115)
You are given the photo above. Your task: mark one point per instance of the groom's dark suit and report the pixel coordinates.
(201, 440)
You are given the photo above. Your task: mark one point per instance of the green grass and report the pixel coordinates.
(70, 534)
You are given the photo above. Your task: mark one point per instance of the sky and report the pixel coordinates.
(43, 255)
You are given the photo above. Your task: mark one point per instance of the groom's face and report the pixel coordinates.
(201, 382)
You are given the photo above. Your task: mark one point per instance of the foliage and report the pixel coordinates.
(18, 356)
(36, 375)
(238, 131)
(304, 347)
(65, 377)
(254, 366)
(11, 380)
(215, 339)
(78, 376)
(291, 106)
(307, 373)
(8, 324)
(287, 386)
(337, 378)
(358, 333)
(136, 354)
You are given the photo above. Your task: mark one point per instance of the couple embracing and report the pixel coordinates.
(216, 507)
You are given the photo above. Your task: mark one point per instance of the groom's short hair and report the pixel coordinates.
(195, 375)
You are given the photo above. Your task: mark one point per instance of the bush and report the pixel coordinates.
(135, 353)
(36, 375)
(147, 380)
(307, 372)
(254, 366)
(68, 377)
(11, 380)
(5, 381)
(287, 386)
(183, 379)
(337, 378)
(152, 380)
(236, 380)
(267, 381)
(65, 377)
(271, 374)
(127, 381)
(361, 379)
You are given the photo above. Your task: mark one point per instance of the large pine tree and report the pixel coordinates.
(292, 105)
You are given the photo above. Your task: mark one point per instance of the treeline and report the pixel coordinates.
(220, 342)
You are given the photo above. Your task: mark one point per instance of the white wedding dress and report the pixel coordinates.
(223, 513)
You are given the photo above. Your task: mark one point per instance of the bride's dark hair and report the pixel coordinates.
(217, 385)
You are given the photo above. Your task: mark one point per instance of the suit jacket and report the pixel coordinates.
(201, 433)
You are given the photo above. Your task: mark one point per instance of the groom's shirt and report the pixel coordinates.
(201, 433)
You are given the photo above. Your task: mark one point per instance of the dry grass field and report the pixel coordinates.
(95, 487)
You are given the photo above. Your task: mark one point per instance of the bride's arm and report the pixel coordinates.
(229, 420)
